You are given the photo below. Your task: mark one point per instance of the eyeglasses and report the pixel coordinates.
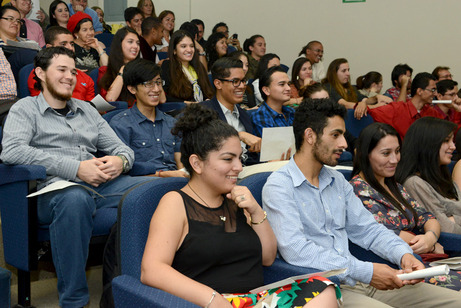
(153, 83)
(449, 76)
(433, 90)
(235, 82)
(317, 50)
(12, 20)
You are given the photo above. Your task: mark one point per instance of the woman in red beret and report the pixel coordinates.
(90, 53)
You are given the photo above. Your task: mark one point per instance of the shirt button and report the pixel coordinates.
(162, 152)
(153, 125)
(143, 143)
(158, 139)
(328, 211)
(174, 143)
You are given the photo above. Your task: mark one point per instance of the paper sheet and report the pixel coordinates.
(33, 12)
(427, 272)
(276, 141)
(60, 185)
(101, 104)
(454, 263)
(291, 280)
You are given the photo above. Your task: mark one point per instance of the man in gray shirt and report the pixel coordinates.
(63, 134)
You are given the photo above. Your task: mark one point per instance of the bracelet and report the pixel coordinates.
(211, 299)
(160, 173)
(258, 223)
(103, 52)
(433, 248)
(436, 237)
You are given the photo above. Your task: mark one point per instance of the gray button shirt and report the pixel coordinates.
(35, 134)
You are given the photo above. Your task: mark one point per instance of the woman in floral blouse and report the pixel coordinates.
(377, 156)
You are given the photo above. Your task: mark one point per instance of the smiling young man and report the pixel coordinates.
(401, 115)
(62, 134)
(152, 34)
(229, 81)
(314, 212)
(145, 128)
(133, 19)
(274, 85)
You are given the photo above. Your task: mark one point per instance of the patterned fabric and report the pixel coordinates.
(385, 213)
(8, 84)
(193, 78)
(265, 116)
(293, 295)
(86, 59)
(394, 93)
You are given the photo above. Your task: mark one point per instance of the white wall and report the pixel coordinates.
(375, 35)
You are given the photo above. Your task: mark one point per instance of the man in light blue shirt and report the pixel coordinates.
(314, 212)
(82, 6)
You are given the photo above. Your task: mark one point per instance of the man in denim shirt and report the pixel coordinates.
(145, 128)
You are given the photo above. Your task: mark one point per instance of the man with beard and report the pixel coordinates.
(314, 212)
(63, 134)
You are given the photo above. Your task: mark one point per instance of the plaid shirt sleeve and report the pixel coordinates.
(7, 82)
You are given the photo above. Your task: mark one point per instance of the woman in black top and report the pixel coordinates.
(212, 236)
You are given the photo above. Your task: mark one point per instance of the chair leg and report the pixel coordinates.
(23, 289)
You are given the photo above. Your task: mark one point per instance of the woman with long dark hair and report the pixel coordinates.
(59, 14)
(255, 47)
(370, 85)
(338, 84)
(185, 77)
(301, 77)
(266, 61)
(168, 21)
(210, 239)
(216, 47)
(426, 152)
(376, 158)
(124, 48)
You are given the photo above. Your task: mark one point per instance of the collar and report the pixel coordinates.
(159, 115)
(325, 177)
(43, 104)
(285, 111)
(235, 112)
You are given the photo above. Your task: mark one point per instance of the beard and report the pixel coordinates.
(52, 90)
(323, 154)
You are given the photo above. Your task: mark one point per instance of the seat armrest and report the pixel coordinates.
(130, 292)
(17, 173)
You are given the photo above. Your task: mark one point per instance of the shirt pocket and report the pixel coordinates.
(144, 149)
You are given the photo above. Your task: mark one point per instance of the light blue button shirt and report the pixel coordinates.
(313, 224)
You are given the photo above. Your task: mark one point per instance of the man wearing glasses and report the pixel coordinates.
(145, 128)
(28, 28)
(229, 81)
(314, 52)
(401, 115)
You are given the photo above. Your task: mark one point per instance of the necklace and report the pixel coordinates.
(223, 218)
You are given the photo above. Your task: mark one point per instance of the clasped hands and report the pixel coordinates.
(100, 170)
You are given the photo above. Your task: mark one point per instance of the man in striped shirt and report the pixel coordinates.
(63, 134)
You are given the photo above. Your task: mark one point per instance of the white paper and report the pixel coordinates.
(101, 104)
(427, 272)
(33, 12)
(292, 279)
(276, 141)
(446, 101)
(24, 44)
(60, 185)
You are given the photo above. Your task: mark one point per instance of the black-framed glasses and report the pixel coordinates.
(235, 82)
(152, 83)
(12, 20)
(433, 90)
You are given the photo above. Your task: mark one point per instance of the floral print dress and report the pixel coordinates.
(386, 214)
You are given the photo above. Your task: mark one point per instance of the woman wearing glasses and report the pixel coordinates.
(186, 78)
(124, 48)
(146, 129)
(10, 21)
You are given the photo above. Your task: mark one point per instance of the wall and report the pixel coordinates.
(375, 35)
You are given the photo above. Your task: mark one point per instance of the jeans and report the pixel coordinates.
(69, 214)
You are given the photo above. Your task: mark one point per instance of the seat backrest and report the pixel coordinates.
(162, 55)
(135, 212)
(23, 89)
(109, 115)
(255, 184)
(355, 126)
(106, 39)
(171, 106)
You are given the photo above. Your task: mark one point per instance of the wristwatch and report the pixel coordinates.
(125, 163)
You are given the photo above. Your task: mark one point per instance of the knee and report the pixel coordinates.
(75, 201)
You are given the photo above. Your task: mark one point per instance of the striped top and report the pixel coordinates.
(35, 134)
